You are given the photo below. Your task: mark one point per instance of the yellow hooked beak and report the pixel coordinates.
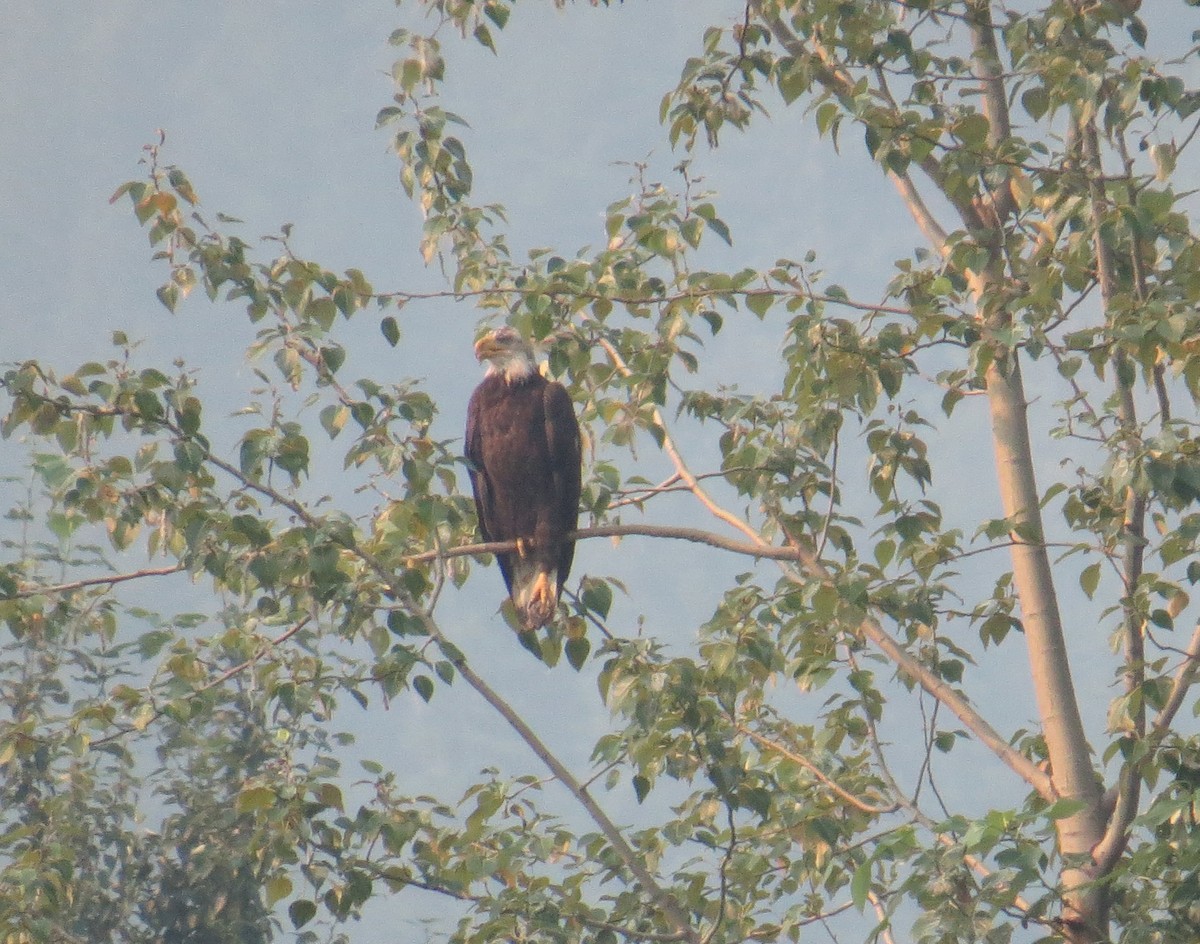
(486, 347)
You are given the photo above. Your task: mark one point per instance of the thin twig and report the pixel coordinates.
(666, 298)
(920, 816)
(95, 581)
(1185, 675)
(671, 908)
(209, 685)
(816, 771)
(685, 474)
(884, 931)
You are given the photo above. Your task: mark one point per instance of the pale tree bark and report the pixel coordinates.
(1085, 909)
(1127, 790)
(1084, 913)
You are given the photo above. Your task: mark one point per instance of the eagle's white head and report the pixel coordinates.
(507, 354)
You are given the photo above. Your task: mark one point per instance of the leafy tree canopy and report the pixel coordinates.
(771, 774)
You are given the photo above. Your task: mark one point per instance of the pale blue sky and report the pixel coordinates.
(269, 106)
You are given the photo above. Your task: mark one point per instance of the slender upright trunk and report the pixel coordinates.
(1084, 908)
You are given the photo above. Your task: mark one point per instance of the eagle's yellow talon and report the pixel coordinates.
(542, 595)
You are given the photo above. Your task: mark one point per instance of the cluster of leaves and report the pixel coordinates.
(771, 811)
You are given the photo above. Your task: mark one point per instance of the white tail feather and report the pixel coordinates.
(534, 593)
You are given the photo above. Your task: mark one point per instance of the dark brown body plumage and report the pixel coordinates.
(523, 445)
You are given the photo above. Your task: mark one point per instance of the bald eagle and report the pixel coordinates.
(524, 453)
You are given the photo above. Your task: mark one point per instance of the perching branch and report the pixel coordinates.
(696, 535)
(673, 911)
(870, 627)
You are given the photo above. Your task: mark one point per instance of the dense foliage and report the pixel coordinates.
(177, 776)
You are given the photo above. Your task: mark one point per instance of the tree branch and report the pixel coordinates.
(834, 77)
(919, 815)
(665, 901)
(95, 581)
(210, 684)
(458, 895)
(1185, 675)
(1108, 851)
(871, 628)
(681, 468)
(696, 535)
(671, 908)
(1116, 835)
(692, 293)
(816, 771)
(990, 71)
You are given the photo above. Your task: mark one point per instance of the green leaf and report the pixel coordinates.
(827, 112)
(484, 36)
(424, 686)
(252, 528)
(1137, 31)
(301, 912)
(330, 795)
(872, 139)
(497, 12)
(597, 596)
(363, 413)
(944, 741)
(333, 356)
(860, 885)
(182, 186)
(972, 130)
(322, 310)
(714, 320)
(253, 799)
(718, 226)
(292, 455)
(404, 624)
(391, 330)
(1035, 101)
(1163, 155)
(1089, 579)
(760, 302)
(333, 417)
(278, 888)
(169, 296)
(1064, 808)
(577, 650)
